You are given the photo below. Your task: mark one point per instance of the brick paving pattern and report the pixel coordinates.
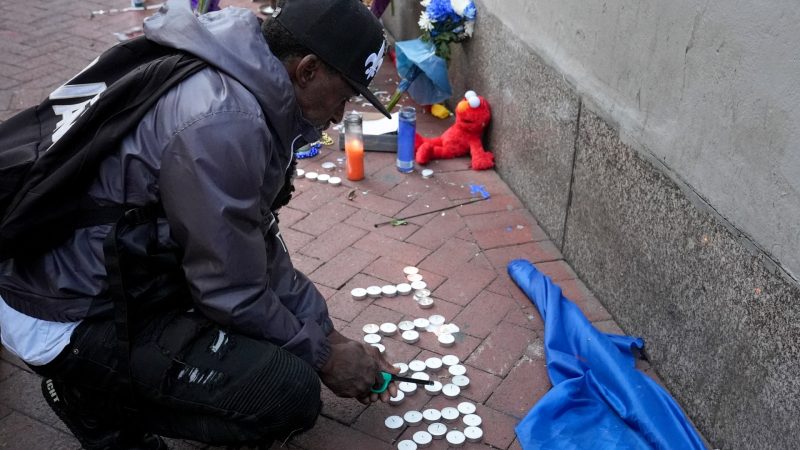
(462, 254)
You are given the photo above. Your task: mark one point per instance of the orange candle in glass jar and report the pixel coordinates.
(354, 164)
(354, 146)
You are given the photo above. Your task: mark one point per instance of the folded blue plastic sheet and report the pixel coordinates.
(428, 84)
(599, 399)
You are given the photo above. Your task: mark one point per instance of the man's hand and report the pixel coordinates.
(353, 368)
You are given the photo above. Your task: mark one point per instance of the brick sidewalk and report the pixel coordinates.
(462, 254)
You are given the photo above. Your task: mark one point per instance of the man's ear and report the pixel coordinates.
(307, 69)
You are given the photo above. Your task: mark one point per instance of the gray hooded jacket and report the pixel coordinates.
(215, 150)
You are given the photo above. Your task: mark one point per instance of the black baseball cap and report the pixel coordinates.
(342, 33)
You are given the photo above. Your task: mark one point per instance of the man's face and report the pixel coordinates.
(323, 99)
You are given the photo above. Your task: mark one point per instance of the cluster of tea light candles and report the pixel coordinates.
(422, 295)
(409, 331)
(321, 177)
(441, 423)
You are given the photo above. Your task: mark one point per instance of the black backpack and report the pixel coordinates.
(50, 153)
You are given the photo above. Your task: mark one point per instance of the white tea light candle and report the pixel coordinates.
(450, 390)
(414, 277)
(372, 338)
(393, 422)
(457, 369)
(370, 328)
(421, 376)
(359, 293)
(422, 438)
(466, 408)
(450, 360)
(410, 336)
(433, 364)
(407, 445)
(403, 288)
(437, 430)
(446, 340)
(389, 290)
(374, 291)
(403, 368)
(455, 438)
(433, 389)
(473, 434)
(408, 388)
(405, 325)
(460, 381)
(418, 285)
(410, 270)
(431, 415)
(413, 418)
(397, 399)
(436, 319)
(417, 366)
(472, 420)
(450, 414)
(388, 329)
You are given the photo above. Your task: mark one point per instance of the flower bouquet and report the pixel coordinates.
(446, 21)
(422, 63)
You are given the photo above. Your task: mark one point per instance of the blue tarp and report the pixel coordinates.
(599, 399)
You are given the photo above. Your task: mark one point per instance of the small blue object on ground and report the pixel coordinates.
(478, 189)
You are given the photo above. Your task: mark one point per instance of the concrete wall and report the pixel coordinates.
(657, 142)
(401, 21)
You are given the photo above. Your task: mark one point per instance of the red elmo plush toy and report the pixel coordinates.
(472, 117)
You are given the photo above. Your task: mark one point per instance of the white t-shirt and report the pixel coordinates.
(35, 341)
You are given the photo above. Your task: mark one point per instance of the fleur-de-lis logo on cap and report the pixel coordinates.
(374, 61)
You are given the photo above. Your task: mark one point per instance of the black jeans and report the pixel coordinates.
(191, 380)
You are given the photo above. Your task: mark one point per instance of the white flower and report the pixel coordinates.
(425, 23)
(468, 27)
(425, 3)
(459, 6)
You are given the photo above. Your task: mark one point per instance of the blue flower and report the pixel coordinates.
(446, 21)
(469, 11)
(440, 10)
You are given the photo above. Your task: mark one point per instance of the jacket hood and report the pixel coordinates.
(231, 41)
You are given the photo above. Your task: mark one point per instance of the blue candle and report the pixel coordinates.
(405, 139)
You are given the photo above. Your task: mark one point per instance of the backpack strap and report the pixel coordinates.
(115, 262)
(92, 214)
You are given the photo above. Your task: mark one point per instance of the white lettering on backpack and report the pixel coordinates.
(77, 91)
(69, 114)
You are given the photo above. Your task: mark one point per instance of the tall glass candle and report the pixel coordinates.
(405, 139)
(354, 147)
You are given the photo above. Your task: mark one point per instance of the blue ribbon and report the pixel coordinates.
(478, 189)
